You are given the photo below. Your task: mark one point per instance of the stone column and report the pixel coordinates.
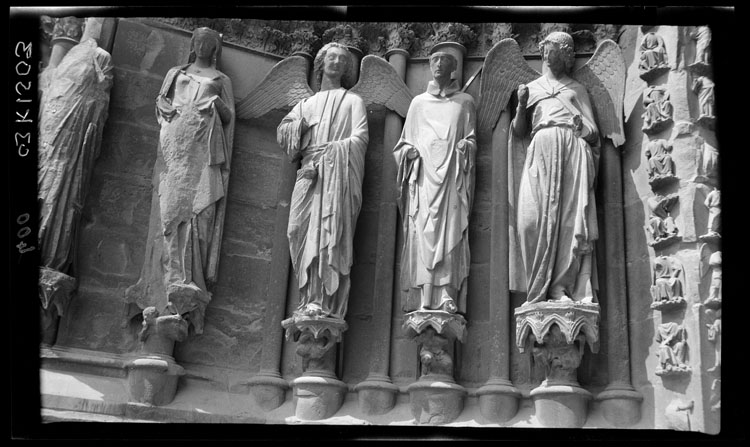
(377, 393)
(267, 386)
(66, 34)
(498, 398)
(620, 402)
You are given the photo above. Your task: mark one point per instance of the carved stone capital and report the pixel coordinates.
(573, 319)
(160, 331)
(401, 36)
(348, 35)
(67, 29)
(315, 336)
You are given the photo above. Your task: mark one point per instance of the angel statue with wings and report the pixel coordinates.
(554, 143)
(328, 132)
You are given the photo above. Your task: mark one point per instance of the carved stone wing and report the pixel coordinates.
(604, 78)
(504, 70)
(380, 84)
(284, 86)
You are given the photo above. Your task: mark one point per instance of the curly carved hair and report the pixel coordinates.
(564, 43)
(347, 80)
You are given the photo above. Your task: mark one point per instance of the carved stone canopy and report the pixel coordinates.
(573, 318)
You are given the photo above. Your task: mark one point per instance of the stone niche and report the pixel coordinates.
(377, 367)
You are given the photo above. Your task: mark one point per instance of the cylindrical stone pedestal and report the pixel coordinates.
(376, 395)
(269, 389)
(498, 400)
(436, 400)
(620, 405)
(153, 379)
(317, 397)
(561, 406)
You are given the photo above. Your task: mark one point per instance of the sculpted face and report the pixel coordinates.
(204, 46)
(335, 62)
(553, 57)
(441, 66)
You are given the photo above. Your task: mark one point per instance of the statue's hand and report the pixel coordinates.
(309, 173)
(412, 153)
(523, 95)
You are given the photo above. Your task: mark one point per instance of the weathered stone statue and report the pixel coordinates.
(195, 109)
(554, 146)
(661, 228)
(72, 114)
(435, 156)
(702, 36)
(714, 293)
(329, 133)
(653, 56)
(660, 166)
(666, 289)
(658, 110)
(673, 349)
(713, 203)
(714, 336)
(704, 88)
(556, 217)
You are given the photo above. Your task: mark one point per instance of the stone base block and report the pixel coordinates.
(561, 406)
(621, 407)
(153, 380)
(269, 390)
(317, 398)
(436, 400)
(376, 396)
(498, 401)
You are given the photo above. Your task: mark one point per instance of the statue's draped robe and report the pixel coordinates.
(436, 192)
(196, 115)
(671, 339)
(72, 113)
(555, 211)
(324, 210)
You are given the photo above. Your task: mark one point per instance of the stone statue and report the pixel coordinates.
(673, 349)
(714, 336)
(195, 109)
(329, 132)
(667, 283)
(704, 88)
(661, 226)
(556, 219)
(72, 114)
(653, 53)
(659, 156)
(658, 110)
(713, 203)
(714, 293)
(702, 37)
(435, 158)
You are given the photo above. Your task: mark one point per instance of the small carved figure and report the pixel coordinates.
(329, 132)
(714, 336)
(661, 226)
(667, 283)
(673, 349)
(653, 53)
(704, 88)
(435, 158)
(714, 291)
(432, 354)
(195, 109)
(702, 37)
(713, 203)
(659, 156)
(658, 110)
